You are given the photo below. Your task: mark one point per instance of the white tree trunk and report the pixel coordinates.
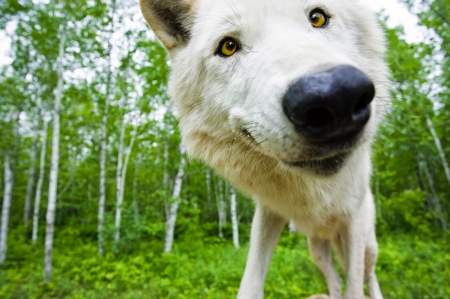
(122, 187)
(166, 170)
(166, 183)
(104, 140)
(171, 220)
(234, 219)
(221, 209)
(102, 187)
(7, 195)
(119, 177)
(292, 228)
(32, 169)
(37, 199)
(437, 141)
(135, 203)
(53, 184)
(208, 189)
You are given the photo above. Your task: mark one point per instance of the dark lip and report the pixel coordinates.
(323, 166)
(343, 143)
(332, 149)
(333, 159)
(324, 158)
(328, 158)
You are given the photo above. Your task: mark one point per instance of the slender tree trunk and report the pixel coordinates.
(10, 166)
(119, 178)
(32, 169)
(436, 203)
(37, 199)
(437, 141)
(166, 168)
(135, 203)
(122, 187)
(104, 140)
(53, 185)
(7, 195)
(220, 207)
(234, 219)
(292, 228)
(102, 187)
(166, 183)
(208, 190)
(171, 220)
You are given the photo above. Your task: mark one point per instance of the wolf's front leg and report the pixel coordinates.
(321, 253)
(355, 245)
(266, 229)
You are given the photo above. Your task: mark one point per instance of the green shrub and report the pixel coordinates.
(408, 267)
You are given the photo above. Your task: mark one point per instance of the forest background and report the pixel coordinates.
(98, 200)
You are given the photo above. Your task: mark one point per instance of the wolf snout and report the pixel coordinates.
(331, 104)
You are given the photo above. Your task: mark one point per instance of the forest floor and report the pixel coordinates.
(408, 267)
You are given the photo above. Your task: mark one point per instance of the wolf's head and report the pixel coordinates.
(299, 84)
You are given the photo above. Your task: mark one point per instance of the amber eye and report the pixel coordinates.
(228, 47)
(318, 18)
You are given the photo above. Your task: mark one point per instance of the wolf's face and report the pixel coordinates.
(297, 81)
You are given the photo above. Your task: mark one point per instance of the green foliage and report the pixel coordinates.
(416, 259)
(409, 266)
(405, 212)
(408, 174)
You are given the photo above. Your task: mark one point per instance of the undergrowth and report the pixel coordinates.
(408, 267)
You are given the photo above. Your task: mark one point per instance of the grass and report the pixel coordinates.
(408, 267)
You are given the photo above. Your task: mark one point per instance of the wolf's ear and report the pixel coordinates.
(171, 20)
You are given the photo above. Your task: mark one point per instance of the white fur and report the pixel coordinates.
(217, 97)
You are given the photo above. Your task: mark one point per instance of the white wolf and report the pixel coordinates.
(283, 99)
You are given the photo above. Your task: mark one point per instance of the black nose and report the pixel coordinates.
(330, 104)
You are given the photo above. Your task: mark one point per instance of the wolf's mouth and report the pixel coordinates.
(325, 158)
(325, 166)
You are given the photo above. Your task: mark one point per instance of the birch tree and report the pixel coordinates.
(292, 228)
(234, 218)
(208, 188)
(121, 180)
(121, 164)
(32, 168)
(102, 187)
(221, 205)
(174, 203)
(7, 195)
(9, 170)
(52, 193)
(104, 134)
(166, 178)
(137, 162)
(437, 141)
(37, 198)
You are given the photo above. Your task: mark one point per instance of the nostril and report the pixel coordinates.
(362, 107)
(362, 103)
(319, 118)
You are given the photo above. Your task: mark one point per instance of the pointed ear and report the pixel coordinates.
(170, 20)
